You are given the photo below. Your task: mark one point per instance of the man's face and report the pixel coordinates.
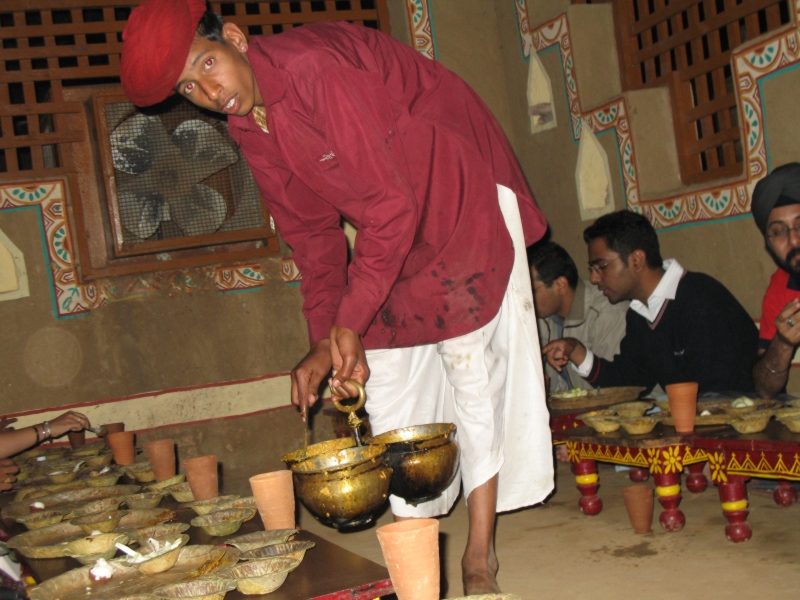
(545, 298)
(783, 241)
(610, 273)
(218, 76)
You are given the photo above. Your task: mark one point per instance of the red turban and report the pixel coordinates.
(157, 39)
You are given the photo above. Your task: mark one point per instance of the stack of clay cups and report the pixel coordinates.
(201, 473)
(411, 552)
(683, 405)
(639, 504)
(274, 494)
(121, 444)
(161, 454)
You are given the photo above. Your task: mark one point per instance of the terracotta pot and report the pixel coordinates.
(161, 455)
(121, 445)
(201, 473)
(77, 438)
(113, 428)
(411, 551)
(639, 504)
(274, 494)
(683, 405)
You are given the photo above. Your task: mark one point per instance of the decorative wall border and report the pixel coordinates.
(71, 298)
(751, 62)
(420, 18)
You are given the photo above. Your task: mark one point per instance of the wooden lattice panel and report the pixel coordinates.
(63, 43)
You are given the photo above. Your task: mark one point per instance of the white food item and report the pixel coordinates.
(37, 506)
(95, 533)
(705, 413)
(742, 403)
(101, 570)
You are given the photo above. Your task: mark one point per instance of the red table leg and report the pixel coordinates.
(638, 475)
(585, 471)
(696, 482)
(785, 494)
(733, 495)
(668, 491)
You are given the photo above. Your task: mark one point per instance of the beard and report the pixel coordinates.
(787, 264)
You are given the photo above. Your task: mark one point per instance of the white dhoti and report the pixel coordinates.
(489, 383)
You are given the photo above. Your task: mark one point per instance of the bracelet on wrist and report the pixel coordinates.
(46, 432)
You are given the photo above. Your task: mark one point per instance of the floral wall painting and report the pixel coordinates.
(13, 275)
(593, 177)
(540, 96)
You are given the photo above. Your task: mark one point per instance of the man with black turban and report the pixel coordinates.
(341, 121)
(776, 210)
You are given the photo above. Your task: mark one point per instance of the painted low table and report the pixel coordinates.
(662, 453)
(735, 457)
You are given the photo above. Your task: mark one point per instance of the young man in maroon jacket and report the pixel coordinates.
(339, 121)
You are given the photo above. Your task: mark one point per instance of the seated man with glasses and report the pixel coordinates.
(567, 305)
(681, 326)
(776, 210)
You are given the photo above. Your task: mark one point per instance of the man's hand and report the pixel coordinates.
(7, 471)
(309, 374)
(559, 352)
(5, 424)
(69, 421)
(349, 361)
(787, 324)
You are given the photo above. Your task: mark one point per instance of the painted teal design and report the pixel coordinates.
(58, 244)
(671, 212)
(606, 117)
(418, 11)
(764, 57)
(66, 303)
(568, 71)
(627, 159)
(248, 272)
(29, 195)
(752, 120)
(716, 204)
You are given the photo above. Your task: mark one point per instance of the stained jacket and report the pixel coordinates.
(365, 128)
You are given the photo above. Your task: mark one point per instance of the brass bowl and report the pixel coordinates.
(424, 460)
(104, 522)
(259, 539)
(313, 450)
(223, 522)
(345, 488)
(39, 519)
(200, 589)
(631, 409)
(259, 576)
(144, 500)
(296, 550)
(203, 507)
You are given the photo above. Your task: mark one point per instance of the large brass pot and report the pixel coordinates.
(313, 450)
(344, 489)
(424, 460)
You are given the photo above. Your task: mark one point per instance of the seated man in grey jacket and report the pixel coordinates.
(568, 306)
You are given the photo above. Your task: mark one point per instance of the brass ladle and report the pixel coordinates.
(352, 419)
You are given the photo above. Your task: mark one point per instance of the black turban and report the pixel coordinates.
(779, 188)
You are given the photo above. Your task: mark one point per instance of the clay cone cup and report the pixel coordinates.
(121, 445)
(274, 493)
(639, 504)
(161, 455)
(201, 473)
(77, 438)
(411, 551)
(112, 428)
(683, 405)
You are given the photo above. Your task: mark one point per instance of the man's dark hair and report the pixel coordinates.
(551, 261)
(210, 27)
(625, 231)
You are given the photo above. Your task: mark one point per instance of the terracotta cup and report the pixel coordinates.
(161, 455)
(121, 444)
(274, 493)
(201, 473)
(113, 428)
(77, 438)
(639, 504)
(683, 405)
(411, 551)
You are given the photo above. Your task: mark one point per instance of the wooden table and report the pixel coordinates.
(662, 453)
(735, 457)
(328, 572)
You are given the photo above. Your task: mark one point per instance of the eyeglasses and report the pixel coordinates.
(782, 233)
(599, 268)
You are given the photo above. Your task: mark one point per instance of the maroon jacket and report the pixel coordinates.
(365, 128)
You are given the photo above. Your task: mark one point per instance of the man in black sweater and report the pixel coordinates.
(681, 326)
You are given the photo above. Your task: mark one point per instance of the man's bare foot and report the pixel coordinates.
(561, 453)
(476, 584)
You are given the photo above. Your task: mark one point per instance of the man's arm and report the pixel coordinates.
(771, 371)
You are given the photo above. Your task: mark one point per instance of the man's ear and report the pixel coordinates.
(637, 260)
(561, 284)
(233, 36)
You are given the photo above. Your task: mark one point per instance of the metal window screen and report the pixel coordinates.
(177, 175)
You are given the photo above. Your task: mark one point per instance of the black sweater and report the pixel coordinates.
(703, 335)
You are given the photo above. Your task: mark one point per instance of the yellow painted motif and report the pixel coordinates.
(668, 490)
(737, 505)
(586, 479)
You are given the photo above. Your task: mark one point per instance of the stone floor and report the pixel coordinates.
(554, 551)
